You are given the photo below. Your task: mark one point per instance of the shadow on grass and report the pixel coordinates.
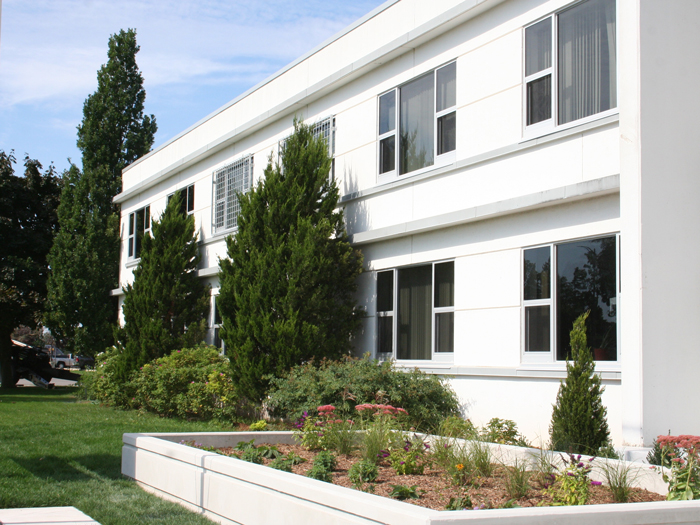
(39, 394)
(95, 466)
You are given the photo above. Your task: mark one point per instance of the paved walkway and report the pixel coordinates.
(56, 381)
(45, 516)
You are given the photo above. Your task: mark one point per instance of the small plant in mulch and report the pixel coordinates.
(402, 492)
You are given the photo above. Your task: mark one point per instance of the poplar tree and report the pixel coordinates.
(166, 306)
(288, 284)
(85, 256)
(27, 225)
(579, 423)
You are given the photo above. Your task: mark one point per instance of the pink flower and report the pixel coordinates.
(326, 408)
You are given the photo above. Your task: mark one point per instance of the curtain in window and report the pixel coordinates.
(415, 311)
(587, 60)
(416, 124)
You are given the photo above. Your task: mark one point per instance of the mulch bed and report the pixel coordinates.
(491, 492)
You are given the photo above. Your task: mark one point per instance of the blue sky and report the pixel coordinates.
(195, 57)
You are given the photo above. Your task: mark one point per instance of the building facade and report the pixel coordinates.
(504, 165)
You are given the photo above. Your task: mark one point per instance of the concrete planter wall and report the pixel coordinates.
(229, 490)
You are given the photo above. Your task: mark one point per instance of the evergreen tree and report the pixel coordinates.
(27, 225)
(287, 286)
(166, 306)
(579, 423)
(85, 256)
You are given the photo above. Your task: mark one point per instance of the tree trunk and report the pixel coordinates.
(7, 372)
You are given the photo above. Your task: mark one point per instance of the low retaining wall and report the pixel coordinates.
(231, 491)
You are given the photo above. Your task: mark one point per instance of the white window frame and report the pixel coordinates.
(446, 357)
(326, 128)
(225, 206)
(550, 357)
(550, 125)
(133, 232)
(439, 160)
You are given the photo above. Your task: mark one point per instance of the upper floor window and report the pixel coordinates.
(562, 281)
(571, 64)
(187, 199)
(415, 311)
(417, 122)
(139, 225)
(326, 129)
(229, 182)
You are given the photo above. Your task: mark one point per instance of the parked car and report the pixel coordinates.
(84, 361)
(61, 361)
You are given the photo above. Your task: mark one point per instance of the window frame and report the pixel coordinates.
(439, 160)
(551, 125)
(550, 357)
(227, 194)
(133, 238)
(435, 356)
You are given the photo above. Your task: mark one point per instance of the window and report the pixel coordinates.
(187, 196)
(139, 225)
(216, 325)
(417, 121)
(230, 181)
(415, 311)
(326, 129)
(571, 64)
(584, 278)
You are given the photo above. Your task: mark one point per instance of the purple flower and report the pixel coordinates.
(570, 474)
(426, 446)
(591, 459)
(596, 482)
(578, 458)
(402, 462)
(580, 465)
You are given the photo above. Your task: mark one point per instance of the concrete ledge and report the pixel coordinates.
(229, 490)
(45, 516)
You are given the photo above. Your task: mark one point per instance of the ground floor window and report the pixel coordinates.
(562, 281)
(415, 311)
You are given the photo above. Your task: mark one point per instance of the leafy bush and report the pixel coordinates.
(459, 503)
(503, 431)
(573, 485)
(325, 432)
(684, 478)
(456, 427)
(402, 492)
(362, 472)
(192, 383)
(350, 381)
(259, 426)
(324, 463)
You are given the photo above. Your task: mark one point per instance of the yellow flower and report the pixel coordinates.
(460, 466)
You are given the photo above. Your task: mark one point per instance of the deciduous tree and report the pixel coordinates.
(27, 225)
(287, 286)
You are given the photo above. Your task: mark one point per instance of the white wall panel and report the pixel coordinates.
(488, 337)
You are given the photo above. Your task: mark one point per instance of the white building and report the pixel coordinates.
(478, 145)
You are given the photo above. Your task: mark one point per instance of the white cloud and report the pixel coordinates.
(51, 50)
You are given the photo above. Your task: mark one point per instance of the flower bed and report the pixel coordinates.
(229, 490)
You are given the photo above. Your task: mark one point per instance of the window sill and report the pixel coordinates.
(131, 263)
(538, 131)
(608, 373)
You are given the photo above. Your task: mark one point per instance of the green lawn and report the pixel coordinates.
(58, 451)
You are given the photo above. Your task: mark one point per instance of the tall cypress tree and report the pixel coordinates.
(85, 256)
(287, 286)
(166, 306)
(579, 423)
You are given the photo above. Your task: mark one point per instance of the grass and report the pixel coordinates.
(58, 451)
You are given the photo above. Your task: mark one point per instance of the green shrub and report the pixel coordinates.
(192, 383)
(579, 423)
(503, 431)
(259, 426)
(456, 427)
(324, 463)
(350, 381)
(362, 472)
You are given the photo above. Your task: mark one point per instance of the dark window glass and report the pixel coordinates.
(539, 100)
(445, 284)
(538, 47)
(387, 112)
(140, 222)
(537, 329)
(444, 332)
(447, 133)
(417, 124)
(385, 291)
(387, 154)
(190, 198)
(536, 273)
(586, 280)
(385, 328)
(414, 312)
(446, 87)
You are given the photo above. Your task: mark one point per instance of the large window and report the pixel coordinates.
(584, 278)
(417, 122)
(415, 311)
(139, 225)
(229, 182)
(571, 64)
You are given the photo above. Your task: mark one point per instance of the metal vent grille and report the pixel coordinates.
(229, 181)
